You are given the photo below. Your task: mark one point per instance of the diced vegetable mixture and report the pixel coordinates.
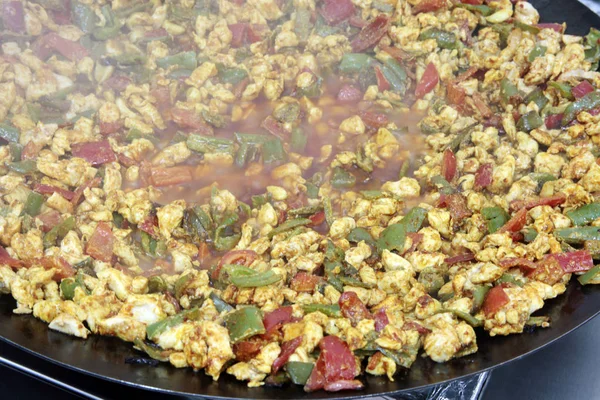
(296, 191)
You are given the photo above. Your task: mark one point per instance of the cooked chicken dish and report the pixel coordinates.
(299, 191)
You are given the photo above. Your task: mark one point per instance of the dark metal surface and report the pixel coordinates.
(104, 357)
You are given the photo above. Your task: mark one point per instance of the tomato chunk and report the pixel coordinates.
(96, 153)
(304, 282)
(457, 205)
(13, 16)
(101, 243)
(349, 94)
(495, 299)
(353, 308)
(371, 34)
(428, 81)
(248, 349)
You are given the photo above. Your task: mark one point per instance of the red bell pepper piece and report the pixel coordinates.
(465, 257)
(335, 363)
(554, 121)
(48, 189)
(287, 349)
(428, 81)
(381, 319)
(51, 42)
(277, 318)
(522, 263)
(61, 267)
(336, 11)
(575, 261)
(516, 223)
(483, 176)
(551, 201)
(191, 120)
(555, 27)
(6, 259)
(582, 89)
(457, 205)
(429, 6)
(548, 271)
(382, 82)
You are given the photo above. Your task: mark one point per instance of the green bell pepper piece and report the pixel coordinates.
(530, 121)
(359, 234)
(33, 204)
(298, 141)
(184, 60)
(589, 275)
(298, 371)
(153, 352)
(209, 144)
(289, 224)
(444, 39)
(244, 323)
(578, 235)
(354, 62)
(586, 103)
(342, 179)
(83, 16)
(9, 133)
(156, 329)
(331, 310)
(563, 88)
(584, 214)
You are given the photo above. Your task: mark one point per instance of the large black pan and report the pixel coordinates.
(104, 357)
